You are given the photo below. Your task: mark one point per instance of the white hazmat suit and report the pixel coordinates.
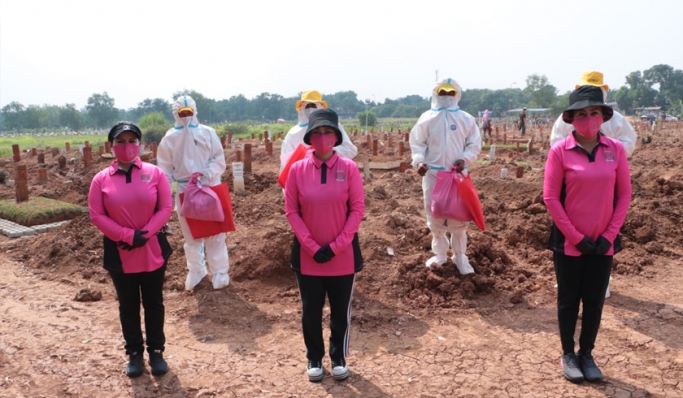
(187, 148)
(295, 136)
(617, 127)
(441, 136)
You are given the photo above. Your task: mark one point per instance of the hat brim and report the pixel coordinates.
(568, 114)
(122, 129)
(606, 87)
(323, 123)
(186, 108)
(300, 102)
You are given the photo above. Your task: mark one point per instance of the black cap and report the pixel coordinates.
(120, 127)
(583, 97)
(320, 118)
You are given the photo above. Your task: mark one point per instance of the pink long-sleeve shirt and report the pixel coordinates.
(597, 190)
(325, 210)
(121, 203)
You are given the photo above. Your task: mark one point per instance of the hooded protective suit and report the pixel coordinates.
(441, 136)
(187, 148)
(617, 127)
(295, 136)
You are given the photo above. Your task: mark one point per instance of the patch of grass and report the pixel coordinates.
(38, 210)
(41, 142)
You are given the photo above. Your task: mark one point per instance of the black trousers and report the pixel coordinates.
(580, 279)
(129, 288)
(339, 290)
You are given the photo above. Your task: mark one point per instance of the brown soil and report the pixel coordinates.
(416, 332)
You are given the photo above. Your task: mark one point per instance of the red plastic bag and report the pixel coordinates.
(471, 198)
(298, 154)
(447, 201)
(201, 202)
(203, 229)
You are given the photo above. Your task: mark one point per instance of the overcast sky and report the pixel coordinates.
(58, 52)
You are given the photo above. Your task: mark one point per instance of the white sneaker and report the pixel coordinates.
(462, 264)
(193, 279)
(436, 260)
(220, 281)
(340, 370)
(314, 371)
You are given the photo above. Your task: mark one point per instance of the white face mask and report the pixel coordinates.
(446, 101)
(308, 111)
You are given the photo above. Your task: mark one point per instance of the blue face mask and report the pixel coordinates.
(308, 111)
(446, 101)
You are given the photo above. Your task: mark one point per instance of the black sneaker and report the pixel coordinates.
(591, 371)
(571, 369)
(339, 369)
(158, 363)
(314, 371)
(135, 365)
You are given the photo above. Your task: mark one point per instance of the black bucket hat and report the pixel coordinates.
(583, 97)
(120, 127)
(320, 118)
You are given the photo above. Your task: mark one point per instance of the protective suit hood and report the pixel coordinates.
(301, 113)
(182, 102)
(436, 106)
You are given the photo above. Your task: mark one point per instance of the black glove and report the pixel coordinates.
(323, 255)
(602, 246)
(138, 239)
(586, 246)
(125, 246)
(459, 165)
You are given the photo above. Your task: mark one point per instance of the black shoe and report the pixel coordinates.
(157, 362)
(135, 365)
(314, 370)
(339, 369)
(571, 368)
(591, 371)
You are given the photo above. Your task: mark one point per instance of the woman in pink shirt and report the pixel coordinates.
(587, 189)
(325, 203)
(130, 202)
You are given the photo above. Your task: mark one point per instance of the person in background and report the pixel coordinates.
(617, 127)
(129, 202)
(445, 137)
(486, 123)
(309, 102)
(522, 121)
(187, 148)
(587, 189)
(325, 204)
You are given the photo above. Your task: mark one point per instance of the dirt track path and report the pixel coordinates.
(51, 346)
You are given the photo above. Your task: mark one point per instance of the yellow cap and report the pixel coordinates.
(592, 78)
(187, 108)
(310, 96)
(446, 87)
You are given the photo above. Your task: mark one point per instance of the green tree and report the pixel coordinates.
(149, 105)
(101, 110)
(367, 119)
(70, 117)
(154, 126)
(542, 93)
(13, 114)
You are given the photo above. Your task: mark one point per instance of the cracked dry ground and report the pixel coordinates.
(415, 332)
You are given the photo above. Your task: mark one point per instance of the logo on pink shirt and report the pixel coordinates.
(145, 177)
(609, 156)
(340, 175)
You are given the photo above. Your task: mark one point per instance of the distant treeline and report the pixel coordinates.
(661, 85)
